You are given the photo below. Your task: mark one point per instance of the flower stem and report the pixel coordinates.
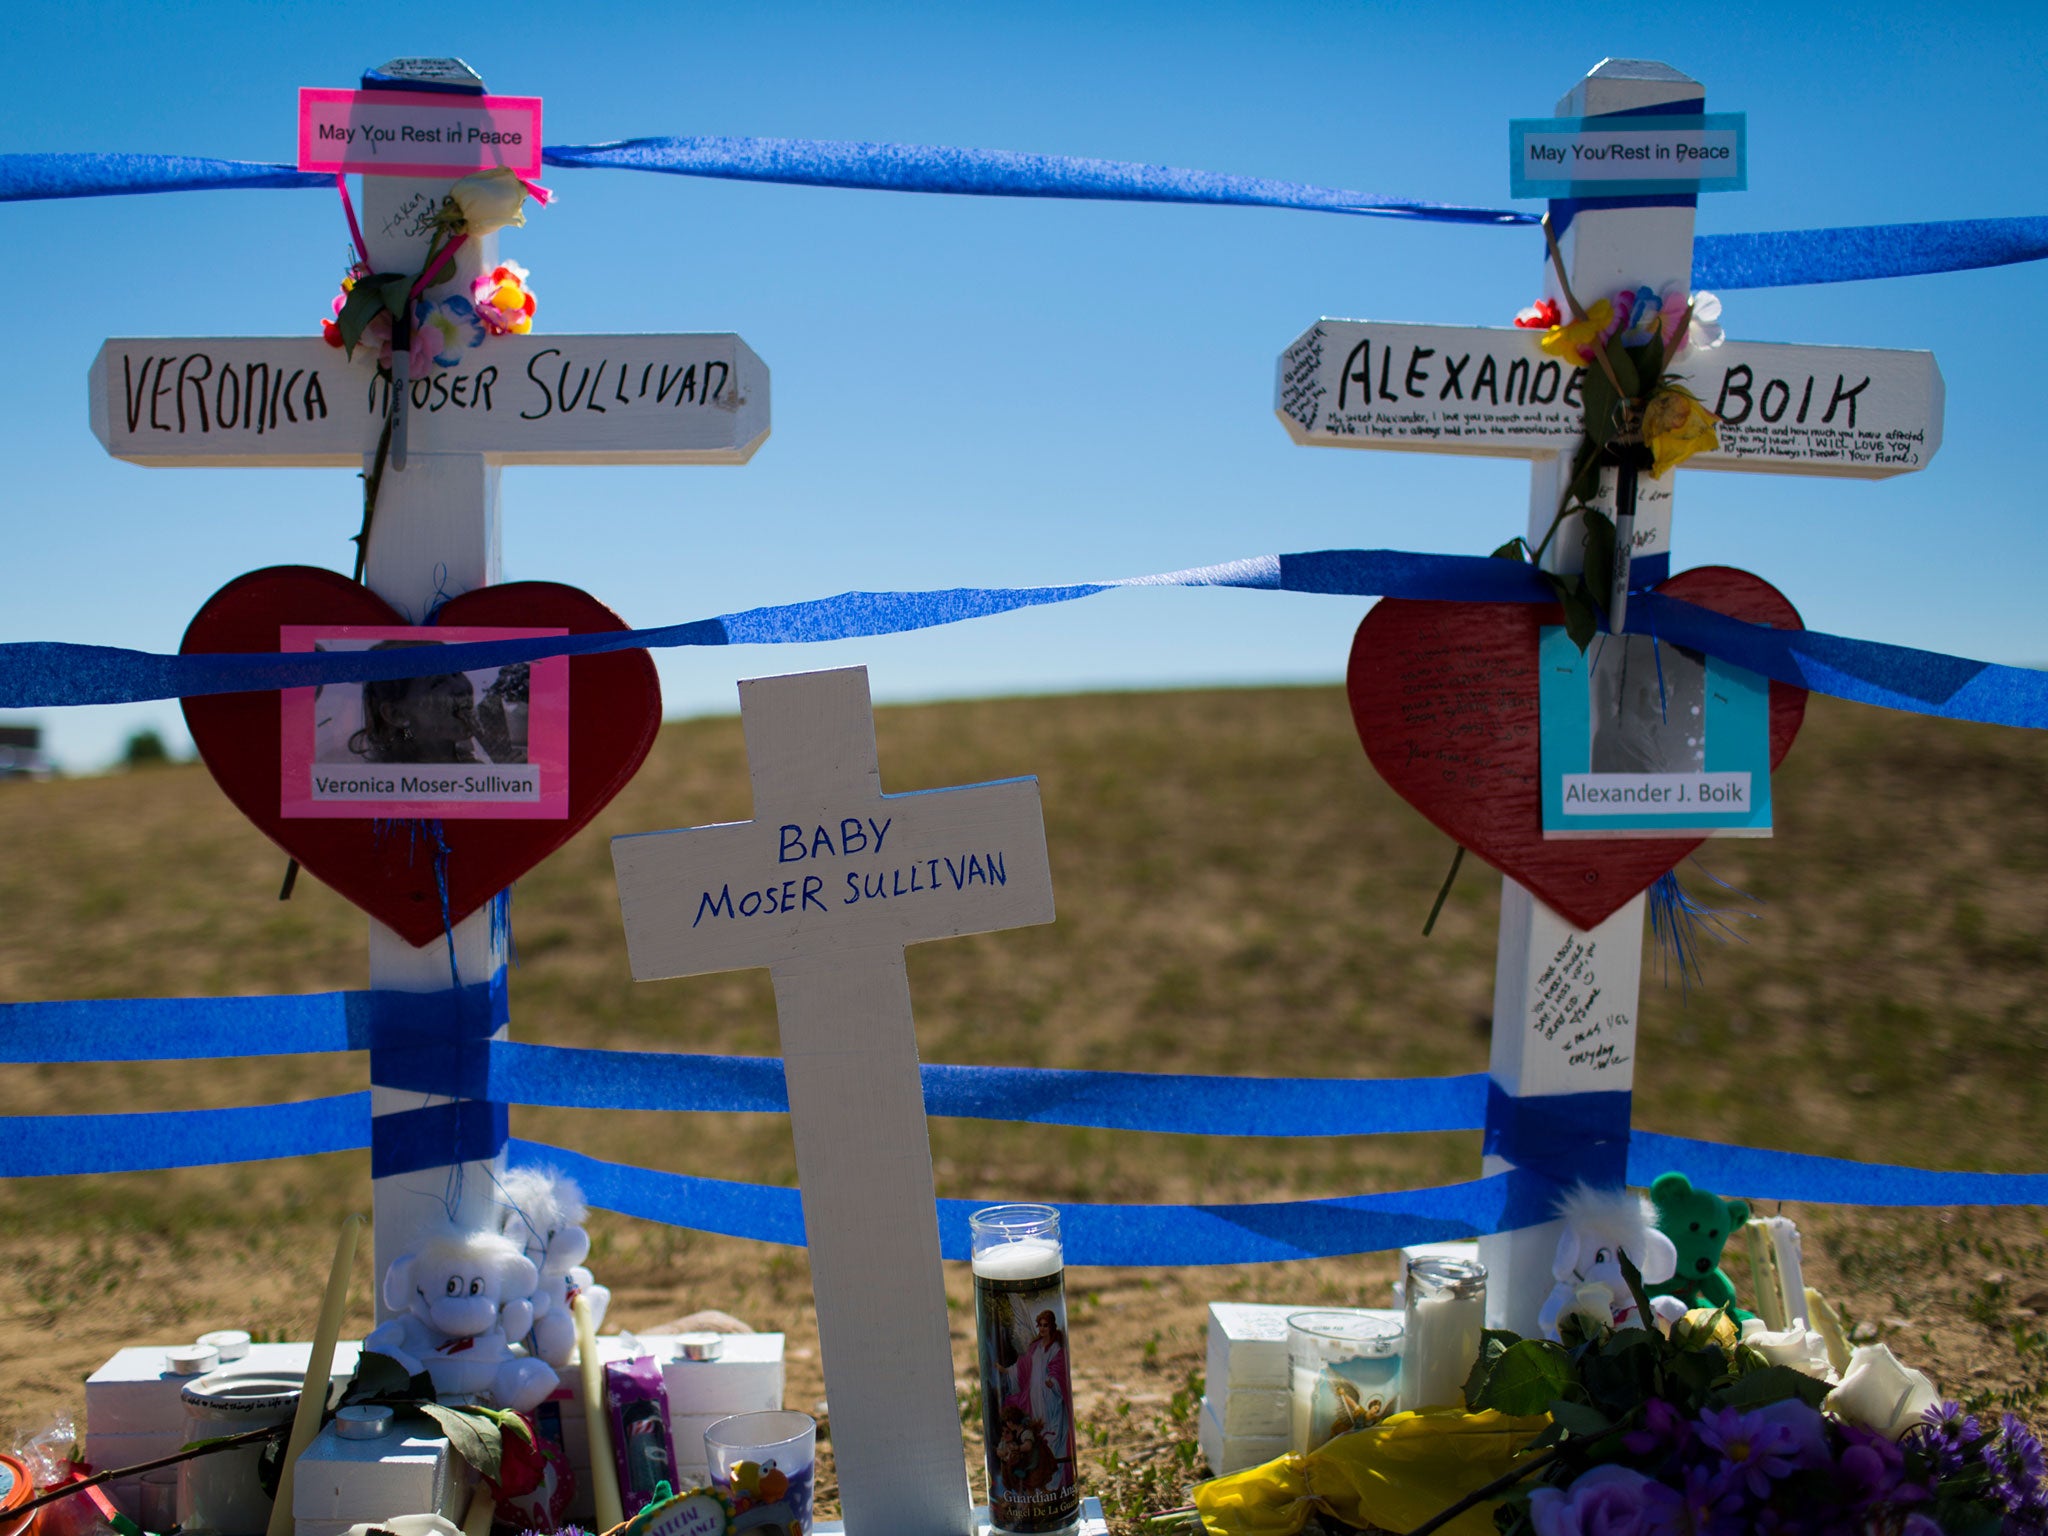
(1477, 1496)
(183, 1453)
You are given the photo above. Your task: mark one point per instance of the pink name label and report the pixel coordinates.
(418, 133)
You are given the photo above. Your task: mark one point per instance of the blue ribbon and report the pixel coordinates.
(1567, 1138)
(1762, 1175)
(36, 1146)
(437, 1135)
(1781, 259)
(42, 674)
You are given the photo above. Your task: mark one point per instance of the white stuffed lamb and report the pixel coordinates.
(458, 1297)
(1599, 1226)
(543, 1212)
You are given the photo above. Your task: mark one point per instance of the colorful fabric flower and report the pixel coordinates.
(442, 330)
(1641, 315)
(503, 302)
(1575, 341)
(1675, 427)
(1540, 316)
(1702, 334)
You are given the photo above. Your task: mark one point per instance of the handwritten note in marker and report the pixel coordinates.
(417, 133)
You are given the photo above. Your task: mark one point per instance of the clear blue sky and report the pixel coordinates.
(993, 392)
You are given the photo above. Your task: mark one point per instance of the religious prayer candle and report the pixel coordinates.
(1027, 1398)
(1446, 1315)
(1344, 1373)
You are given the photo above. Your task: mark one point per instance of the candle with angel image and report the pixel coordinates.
(1027, 1394)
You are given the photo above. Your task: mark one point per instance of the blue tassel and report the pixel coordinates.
(1680, 921)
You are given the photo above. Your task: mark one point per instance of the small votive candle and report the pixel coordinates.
(1027, 1399)
(1343, 1371)
(1446, 1316)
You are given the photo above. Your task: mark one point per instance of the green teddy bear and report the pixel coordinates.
(1699, 1225)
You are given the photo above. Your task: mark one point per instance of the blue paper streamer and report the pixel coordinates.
(1776, 259)
(209, 1028)
(1157, 1235)
(36, 1146)
(1568, 1138)
(437, 1136)
(1757, 1174)
(46, 674)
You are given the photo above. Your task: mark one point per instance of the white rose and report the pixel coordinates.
(490, 201)
(1796, 1346)
(1879, 1393)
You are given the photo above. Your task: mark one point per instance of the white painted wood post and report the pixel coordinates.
(1604, 250)
(435, 536)
(825, 886)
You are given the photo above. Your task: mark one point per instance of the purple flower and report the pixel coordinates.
(1918, 1524)
(1754, 1449)
(1610, 1500)
(1664, 1429)
(1808, 1428)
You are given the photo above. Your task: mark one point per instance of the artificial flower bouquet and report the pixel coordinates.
(1706, 1430)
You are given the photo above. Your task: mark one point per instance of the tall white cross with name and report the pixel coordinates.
(1444, 389)
(535, 399)
(825, 886)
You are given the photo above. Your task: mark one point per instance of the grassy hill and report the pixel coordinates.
(1238, 893)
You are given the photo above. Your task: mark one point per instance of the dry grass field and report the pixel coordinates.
(1237, 893)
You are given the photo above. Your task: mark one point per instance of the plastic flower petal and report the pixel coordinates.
(443, 329)
(1540, 316)
(1573, 341)
(1645, 318)
(1609, 1500)
(504, 303)
(1879, 1393)
(489, 201)
(1675, 427)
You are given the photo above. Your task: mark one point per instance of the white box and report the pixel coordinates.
(1255, 1412)
(1233, 1453)
(133, 1393)
(358, 1481)
(1247, 1346)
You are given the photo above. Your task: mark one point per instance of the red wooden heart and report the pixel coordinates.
(615, 711)
(1444, 697)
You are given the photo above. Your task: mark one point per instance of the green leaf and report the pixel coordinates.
(377, 1376)
(394, 291)
(1493, 1343)
(1634, 1277)
(1624, 368)
(1601, 403)
(1524, 1378)
(471, 1436)
(1599, 558)
(1648, 360)
(1514, 549)
(1581, 622)
(1773, 1384)
(1578, 1418)
(363, 304)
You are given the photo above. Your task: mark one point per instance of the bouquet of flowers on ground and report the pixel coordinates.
(1700, 1433)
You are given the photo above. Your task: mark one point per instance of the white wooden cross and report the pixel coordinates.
(535, 399)
(1445, 389)
(825, 887)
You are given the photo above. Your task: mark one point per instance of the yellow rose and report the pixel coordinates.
(489, 201)
(1676, 426)
(1573, 342)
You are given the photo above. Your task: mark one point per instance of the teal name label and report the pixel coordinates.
(1627, 156)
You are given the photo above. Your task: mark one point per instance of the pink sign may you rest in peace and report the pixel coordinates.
(418, 133)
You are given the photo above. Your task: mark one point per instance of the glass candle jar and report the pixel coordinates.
(1027, 1399)
(1446, 1316)
(1343, 1373)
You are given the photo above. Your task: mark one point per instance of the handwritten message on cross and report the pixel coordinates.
(1565, 999)
(825, 887)
(284, 401)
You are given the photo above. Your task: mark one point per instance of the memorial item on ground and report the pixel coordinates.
(542, 1211)
(1344, 1373)
(1027, 1393)
(461, 1298)
(642, 1449)
(1601, 1229)
(1699, 1225)
(765, 1467)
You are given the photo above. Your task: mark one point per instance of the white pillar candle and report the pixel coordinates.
(1446, 1315)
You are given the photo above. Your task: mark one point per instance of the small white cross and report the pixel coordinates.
(825, 887)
